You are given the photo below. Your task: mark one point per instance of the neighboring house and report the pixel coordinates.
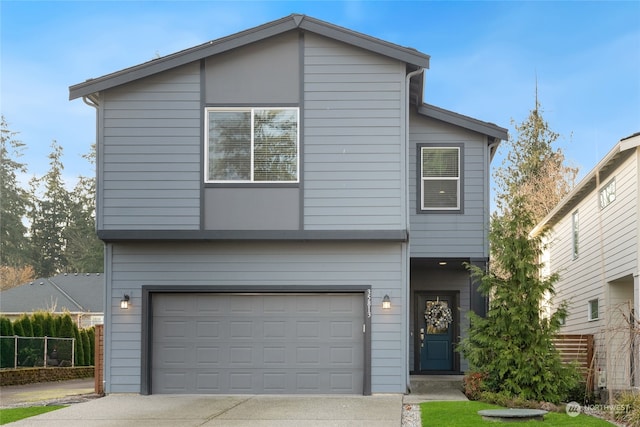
(592, 242)
(79, 294)
(262, 195)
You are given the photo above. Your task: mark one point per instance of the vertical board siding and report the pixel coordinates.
(450, 234)
(150, 176)
(352, 138)
(241, 264)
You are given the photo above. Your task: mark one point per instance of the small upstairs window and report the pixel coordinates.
(440, 178)
(575, 227)
(249, 145)
(608, 194)
(593, 310)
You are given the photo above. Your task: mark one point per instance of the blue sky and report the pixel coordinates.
(486, 57)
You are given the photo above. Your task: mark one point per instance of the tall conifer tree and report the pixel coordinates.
(13, 240)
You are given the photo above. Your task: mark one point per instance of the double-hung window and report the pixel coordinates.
(440, 178)
(247, 145)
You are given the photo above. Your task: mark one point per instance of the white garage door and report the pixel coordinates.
(257, 343)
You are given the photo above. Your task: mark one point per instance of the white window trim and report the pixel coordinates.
(252, 111)
(423, 179)
(590, 313)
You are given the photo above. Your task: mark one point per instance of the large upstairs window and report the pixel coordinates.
(248, 145)
(440, 178)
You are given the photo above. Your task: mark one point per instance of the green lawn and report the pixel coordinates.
(462, 414)
(14, 414)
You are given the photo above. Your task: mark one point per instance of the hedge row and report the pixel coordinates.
(44, 324)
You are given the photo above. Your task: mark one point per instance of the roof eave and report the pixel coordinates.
(465, 122)
(243, 38)
(631, 142)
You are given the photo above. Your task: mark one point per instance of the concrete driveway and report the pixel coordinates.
(230, 411)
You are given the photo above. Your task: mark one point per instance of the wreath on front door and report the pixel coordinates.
(438, 315)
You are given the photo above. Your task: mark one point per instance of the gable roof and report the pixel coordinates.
(619, 152)
(466, 122)
(76, 293)
(292, 22)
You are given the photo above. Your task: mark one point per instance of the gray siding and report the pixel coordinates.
(378, 265)
(149, 155)
(450, 234)
(266, 72)
(252, 208)
(353, 144)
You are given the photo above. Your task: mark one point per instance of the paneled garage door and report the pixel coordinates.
(257, 343)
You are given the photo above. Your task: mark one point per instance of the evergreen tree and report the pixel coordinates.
(48, 325)
(84, 251)
(49, 218)
(91, 333)
(37, 320)
(7, 345)
(86, 346)
(66, 329)
(512, 345)
(24, 325)
(13, 240)
(79, 348)
(17, 329)
(533, 168)
(6, 327)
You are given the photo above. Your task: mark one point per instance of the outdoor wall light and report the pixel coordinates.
(386, 302)
(124, 302)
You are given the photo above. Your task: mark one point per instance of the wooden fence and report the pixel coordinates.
(577, 349)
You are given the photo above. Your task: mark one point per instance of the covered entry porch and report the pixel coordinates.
(442, 292)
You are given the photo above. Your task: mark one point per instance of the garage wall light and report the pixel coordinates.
(124, 302)
(386, 302)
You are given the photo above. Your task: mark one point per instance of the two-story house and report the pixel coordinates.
(279, 209)
(592, 242)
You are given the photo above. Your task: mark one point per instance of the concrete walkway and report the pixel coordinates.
(425, 388)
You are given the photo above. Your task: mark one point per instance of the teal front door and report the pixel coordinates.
(436, 332)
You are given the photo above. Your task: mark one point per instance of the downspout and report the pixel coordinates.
(407, 255)
(92, 101)
(606, 291)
